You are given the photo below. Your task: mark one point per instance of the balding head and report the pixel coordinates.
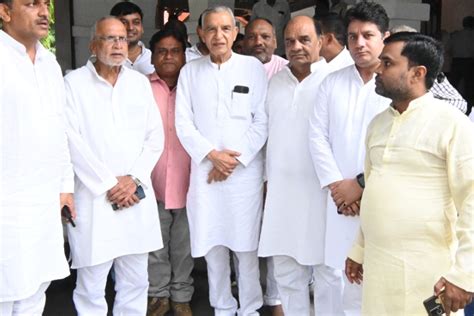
(109, 41)
(302, 41)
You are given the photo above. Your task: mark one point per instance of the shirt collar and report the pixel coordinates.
(224, 65)
(318, 64)
(19, 47)
(155, 78)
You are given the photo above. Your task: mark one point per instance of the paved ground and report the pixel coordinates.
(59, 295)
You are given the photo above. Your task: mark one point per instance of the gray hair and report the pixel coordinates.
(102, 19)
(217, 9)
(402, 28)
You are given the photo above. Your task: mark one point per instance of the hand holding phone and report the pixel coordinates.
(66, 213)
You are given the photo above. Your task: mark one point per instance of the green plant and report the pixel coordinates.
(50, 41)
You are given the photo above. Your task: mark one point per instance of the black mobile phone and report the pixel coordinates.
(66, 213)
(139, 192)
(433, 306)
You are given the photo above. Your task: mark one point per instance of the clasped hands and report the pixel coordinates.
(346, 195)
(224, 162)
(123, 193)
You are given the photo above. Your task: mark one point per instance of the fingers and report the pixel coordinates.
(231, 152)
(439, 286)
(446, 304)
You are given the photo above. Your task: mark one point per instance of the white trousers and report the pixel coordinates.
(271, 297)
(220, 293)
(30, 306)
(293, 281)
(334, 294)
(131, 286)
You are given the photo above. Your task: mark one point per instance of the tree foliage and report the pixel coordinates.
(50, 41)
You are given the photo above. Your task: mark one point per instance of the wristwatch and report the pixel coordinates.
(361, 180)
(137, 181)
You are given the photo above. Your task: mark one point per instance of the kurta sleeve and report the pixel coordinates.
(255, 137)
(67, 179)
(154, 139)
(356, 253)
(320, 146)
(192, 140)
(93, 173)
(460, 168)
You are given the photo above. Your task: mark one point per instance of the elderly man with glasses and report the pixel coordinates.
(116, 138)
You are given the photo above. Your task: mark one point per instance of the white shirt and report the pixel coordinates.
(294, 217)
(193, 53)
(342, 60)
(143, 62)
(35, 167)
(211, 116)
(344, 108)
(112, 133)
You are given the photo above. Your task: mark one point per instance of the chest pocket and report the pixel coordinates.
(240, 105)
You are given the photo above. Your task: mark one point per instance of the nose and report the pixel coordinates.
(43, 10)
(379, 69)
(258, 40)
(129, 26)
(360, 41)
(219, 33)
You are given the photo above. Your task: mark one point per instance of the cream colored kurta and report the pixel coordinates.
(294, 217)
(344, 108)
(417, 204)
(34, 168)
(210, 116)
(114, 131)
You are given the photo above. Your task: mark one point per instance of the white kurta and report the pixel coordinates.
(342, 60)
(344, 108)
(209, 116)
(35, 168)
(294, 218)
(114, 131)
(143, 62)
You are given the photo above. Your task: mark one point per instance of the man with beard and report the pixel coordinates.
(417, 212)
(260, 42)
(116, 138)
(139, 57)
(346, 103)
(36, 177)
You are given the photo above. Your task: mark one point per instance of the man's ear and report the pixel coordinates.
(5, 13)
(385, 35)
(419, 73)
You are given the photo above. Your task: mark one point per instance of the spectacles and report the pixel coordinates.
(113, 39)
(165, 51)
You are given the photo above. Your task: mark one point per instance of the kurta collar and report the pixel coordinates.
(357, 74)
(19, 47)
(143, 50)
(414, 104)
(91, 67)
(318, 64)
(224, 65)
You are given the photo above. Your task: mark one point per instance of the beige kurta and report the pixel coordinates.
(419, 178)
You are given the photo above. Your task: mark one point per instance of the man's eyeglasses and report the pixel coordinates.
(165, 51)
(113, 39)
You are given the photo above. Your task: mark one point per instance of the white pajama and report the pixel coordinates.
(271, 297)
(334, 294)
(293, 285)
(220, 294)
(30, 306)
(131, 286)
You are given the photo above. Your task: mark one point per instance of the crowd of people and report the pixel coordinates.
(348, 166)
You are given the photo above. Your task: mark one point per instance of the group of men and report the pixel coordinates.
(367, 174)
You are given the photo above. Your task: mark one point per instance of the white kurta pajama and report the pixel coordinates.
(114, 131)
(344, 108)
(210, 116)
(35, 168)
(295, 209)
